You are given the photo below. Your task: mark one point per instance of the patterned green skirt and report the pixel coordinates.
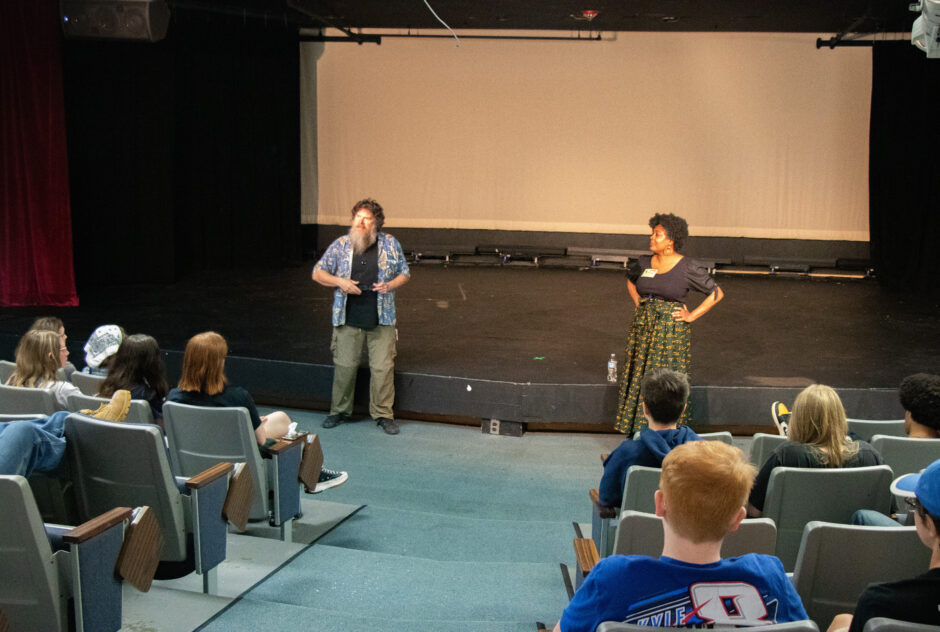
(656, 340)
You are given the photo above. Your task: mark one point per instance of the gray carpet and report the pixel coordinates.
(461, 531)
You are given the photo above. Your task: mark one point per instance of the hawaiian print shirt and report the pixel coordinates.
(337, 260)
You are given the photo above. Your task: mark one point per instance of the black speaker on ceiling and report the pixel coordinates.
(144, 20)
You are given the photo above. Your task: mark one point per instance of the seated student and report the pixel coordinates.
(102, 344)
(920, 397)
(664, 393)
(52, 323)
(39, 355)
(203, 383)
(914, 600)
(701, 496)
(138, 368)
(817, 438)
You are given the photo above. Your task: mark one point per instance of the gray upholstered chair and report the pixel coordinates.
(87, 383)
(118, 464)
(906, 455)
(762, 445)
(641, 533)
(6, 370)
(796, 496)
(200, 436)
(865, 429)
(20, 399)
(837, 562)
(884, 624)
(723, 436)
(40, 583)
(638, 488)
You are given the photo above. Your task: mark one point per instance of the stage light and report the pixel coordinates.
(925, 34)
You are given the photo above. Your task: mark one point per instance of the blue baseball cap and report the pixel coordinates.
(926, 486)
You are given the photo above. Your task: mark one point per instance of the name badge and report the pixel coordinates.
(649, 273)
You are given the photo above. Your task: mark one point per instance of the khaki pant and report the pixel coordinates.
(347, 346)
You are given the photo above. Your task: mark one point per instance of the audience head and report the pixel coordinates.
(677, 229)
(818, 420)
(704, 486)
(49, 323)
(665, 393)
(920, 397)
(102, 345)
(37, 358)
(204, 364)
(136, 363)
(924, 490)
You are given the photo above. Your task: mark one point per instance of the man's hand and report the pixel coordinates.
(349, 286)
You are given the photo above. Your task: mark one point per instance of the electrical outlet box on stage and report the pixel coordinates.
(499, 427)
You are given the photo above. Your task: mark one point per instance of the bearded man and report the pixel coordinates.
(365, 266)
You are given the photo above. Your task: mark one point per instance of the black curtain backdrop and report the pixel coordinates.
(184, 154)
(903, 168)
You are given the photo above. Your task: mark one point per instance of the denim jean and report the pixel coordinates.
(32, 445)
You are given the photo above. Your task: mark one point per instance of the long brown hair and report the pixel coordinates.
(818, 420)
(204, 364)
(37, 358)
(136, 363)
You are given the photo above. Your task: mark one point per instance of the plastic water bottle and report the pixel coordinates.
(612, 369)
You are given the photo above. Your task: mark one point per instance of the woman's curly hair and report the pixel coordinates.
(677, 229)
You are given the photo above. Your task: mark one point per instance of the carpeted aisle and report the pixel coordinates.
(461, 531)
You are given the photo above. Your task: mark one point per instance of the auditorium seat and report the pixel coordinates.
(139, 411)
(836, 562)
(200, 437)
(865, 429)
(762, 445)
(20, 399)
(906, 455)
(87, 383)
(884, 624)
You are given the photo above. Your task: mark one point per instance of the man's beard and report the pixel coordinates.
(362, 239)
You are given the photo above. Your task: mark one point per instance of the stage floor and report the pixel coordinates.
(526, 325)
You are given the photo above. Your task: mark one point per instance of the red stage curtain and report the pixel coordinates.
(35, 223)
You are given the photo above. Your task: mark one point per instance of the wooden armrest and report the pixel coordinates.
(95, 526)
(286, 444)
(208, 476)
(586, 553)
(603, 510)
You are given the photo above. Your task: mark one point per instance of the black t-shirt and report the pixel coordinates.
(674, 285)
(362, 310)
(791, 454)
(231, 396)
(914, 600)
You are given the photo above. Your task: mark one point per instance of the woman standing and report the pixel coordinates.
(660, 336)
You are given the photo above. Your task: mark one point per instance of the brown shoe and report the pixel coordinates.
(241, 493)
(141, 551)
(115, 410)
(311, 462)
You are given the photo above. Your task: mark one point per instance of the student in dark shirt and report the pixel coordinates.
(138, 368)
(915, 600)
(203, 383)
(817, 438)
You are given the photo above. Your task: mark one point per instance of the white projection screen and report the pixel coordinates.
(744, 134)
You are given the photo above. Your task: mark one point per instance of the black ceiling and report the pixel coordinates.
(804, 16)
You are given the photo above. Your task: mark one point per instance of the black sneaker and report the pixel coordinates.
(390, 426)
(330, 478)
(334, 420)
(781, 415)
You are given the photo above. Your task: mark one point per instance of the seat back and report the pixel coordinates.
(838, 561)
(906, 455)
(762, 445)
(139, 411)
(790, 626)
(29, 580)
(6, 370)
(200, 436)
(884, 624)
(641, 533)
(20, 399)
(724, 437)
(125, 465)
(865, 429)
(796, 496)
(638, 489)
(87, 383)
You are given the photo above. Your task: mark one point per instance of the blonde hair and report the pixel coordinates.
(204, 364)
(705, 484)
(37, 358)
(818, 421)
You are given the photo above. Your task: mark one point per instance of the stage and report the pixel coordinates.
(530, 344)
